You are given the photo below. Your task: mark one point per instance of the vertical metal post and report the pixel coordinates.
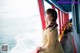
(41, 9)
(59, 20)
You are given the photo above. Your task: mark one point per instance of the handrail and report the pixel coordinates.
(63, 27)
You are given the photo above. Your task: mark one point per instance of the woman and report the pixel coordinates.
(50, 43)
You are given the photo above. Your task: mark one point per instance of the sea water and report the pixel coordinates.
(22, 35)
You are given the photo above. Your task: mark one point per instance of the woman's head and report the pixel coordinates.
(51, 15)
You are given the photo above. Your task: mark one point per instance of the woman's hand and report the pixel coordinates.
(40, 48)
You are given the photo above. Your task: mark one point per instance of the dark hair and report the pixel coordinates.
(53, 13)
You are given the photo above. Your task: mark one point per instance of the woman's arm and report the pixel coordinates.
(51, 39)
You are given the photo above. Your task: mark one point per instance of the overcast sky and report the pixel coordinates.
(18, 8)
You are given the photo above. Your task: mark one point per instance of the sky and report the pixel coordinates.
(18, 8)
